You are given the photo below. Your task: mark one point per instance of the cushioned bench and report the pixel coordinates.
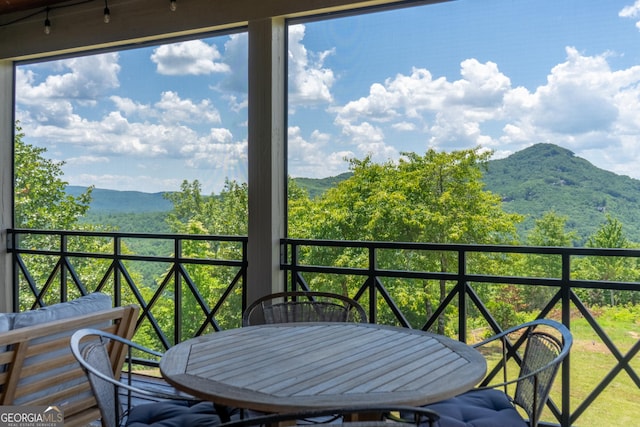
(36, 364)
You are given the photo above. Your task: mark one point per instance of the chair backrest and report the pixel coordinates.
(303, 306)
(537, 372)
(106, 393)
(91, 349)
(546, 344)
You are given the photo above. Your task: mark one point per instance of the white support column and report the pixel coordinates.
(267, 130)
(6, 182)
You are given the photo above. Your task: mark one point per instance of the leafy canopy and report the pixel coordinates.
(40, 198)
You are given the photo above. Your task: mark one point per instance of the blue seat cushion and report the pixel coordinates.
(173, 414)
(478, 408)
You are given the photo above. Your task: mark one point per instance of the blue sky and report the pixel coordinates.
(500, 74)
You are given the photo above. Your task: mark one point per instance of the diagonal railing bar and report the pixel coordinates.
(609, 377)
(102, 284)
(589, 399)
(627, 358)
(146, 307)
(366, 286)
(117, 268)
(484, 311)
(48, 283)
(208, 313)
(455, 292)
(216, 308)
(391, 303)
(74, 276)
(512, 353)
(299, 280)
(30, 280)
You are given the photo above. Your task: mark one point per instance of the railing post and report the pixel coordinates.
(177, 309)
(294, 264)
(373, 306)
(565, 290)
(462, 295)
(117, 281)
(64, 293)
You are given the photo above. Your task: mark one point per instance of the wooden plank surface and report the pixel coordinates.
(278, 368)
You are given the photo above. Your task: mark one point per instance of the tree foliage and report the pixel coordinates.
(437, 198)
(40, 198)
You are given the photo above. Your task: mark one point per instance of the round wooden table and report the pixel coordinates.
(295, 366)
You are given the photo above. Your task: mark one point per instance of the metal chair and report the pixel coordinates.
(90, 347)
(367, 416)
(546, 343)
(303, 306)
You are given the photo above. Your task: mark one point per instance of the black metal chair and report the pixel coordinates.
(363, 416)
(170, 408)
(303, 306)
(546, 343)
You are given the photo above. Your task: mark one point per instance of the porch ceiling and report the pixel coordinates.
(11, 6)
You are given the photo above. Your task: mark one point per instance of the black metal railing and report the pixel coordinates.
(456, 283)
(309, 262)
(55, 266)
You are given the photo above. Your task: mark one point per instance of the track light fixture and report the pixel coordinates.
(47, 24)
(107, 14)
(173, 5)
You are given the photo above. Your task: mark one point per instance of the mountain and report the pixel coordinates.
(316, 186)
(113, 201)
(531, 182)
(545, 177)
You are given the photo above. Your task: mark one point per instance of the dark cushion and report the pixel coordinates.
(173, 414)
(478, 408)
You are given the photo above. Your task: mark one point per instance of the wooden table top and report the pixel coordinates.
(293, 366)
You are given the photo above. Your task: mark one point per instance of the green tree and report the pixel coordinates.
(40, 198)
(42, 203)
(438, 198)
(609, 268)
(550, 230)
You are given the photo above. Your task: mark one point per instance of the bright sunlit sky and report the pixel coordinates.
(500, 74)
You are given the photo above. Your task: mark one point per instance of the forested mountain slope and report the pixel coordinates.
(546, 177)
(536, 180)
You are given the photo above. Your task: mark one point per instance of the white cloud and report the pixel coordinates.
(49, 100)
(631, 11)
(170, 109)
(308, 156)
(193, 57)
(236, 52)
(177, 110)
(217, 151)
(86, 160)
(578, 97)
(309, 81)
(585, 106)
(87, 77)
